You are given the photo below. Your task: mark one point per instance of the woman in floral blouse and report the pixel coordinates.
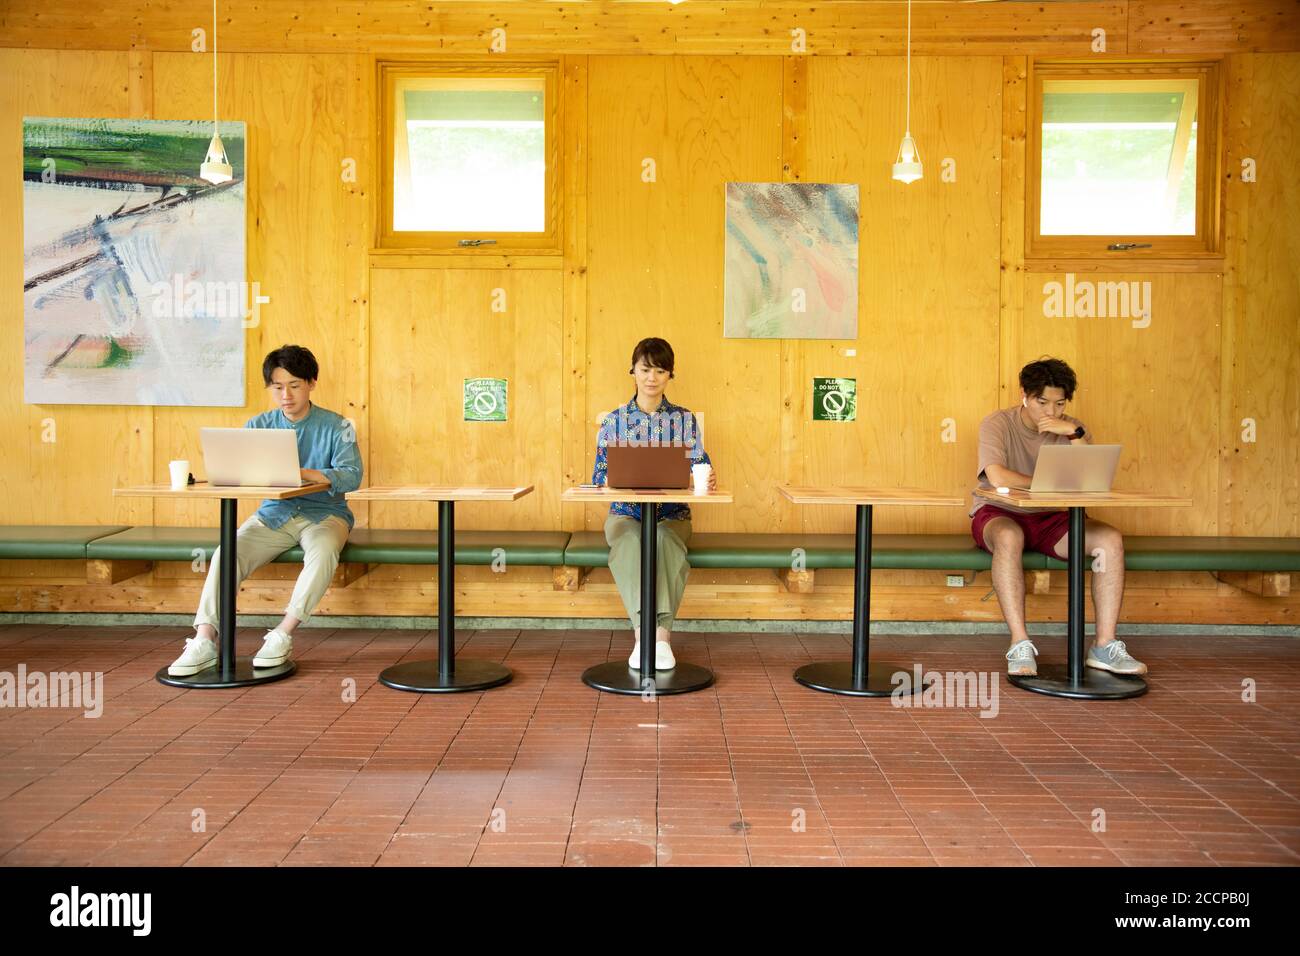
(649, 414)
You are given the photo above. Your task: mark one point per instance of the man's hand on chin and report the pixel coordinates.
(1057, 426)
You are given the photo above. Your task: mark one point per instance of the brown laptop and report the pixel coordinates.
(648, 466)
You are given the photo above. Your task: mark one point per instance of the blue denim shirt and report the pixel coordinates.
(628, 422)
(327, 442)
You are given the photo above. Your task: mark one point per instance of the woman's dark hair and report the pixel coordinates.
(294, 359)
(656, 352)
(1048, 373)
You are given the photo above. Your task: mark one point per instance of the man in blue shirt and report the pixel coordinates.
(648, 415)
(319, 522)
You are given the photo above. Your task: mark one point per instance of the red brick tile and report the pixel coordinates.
(755, 771)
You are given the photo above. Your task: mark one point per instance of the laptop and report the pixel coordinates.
(260, 457)
(1075, 468)
(648, 466)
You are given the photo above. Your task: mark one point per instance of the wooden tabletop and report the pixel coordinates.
(438, 493)
(661, 496)
(202, 489)
(1114, 498)
(856, 495)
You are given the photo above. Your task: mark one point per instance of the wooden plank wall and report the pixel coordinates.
(948, 312)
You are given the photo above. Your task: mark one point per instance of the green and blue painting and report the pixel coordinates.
(134, 287)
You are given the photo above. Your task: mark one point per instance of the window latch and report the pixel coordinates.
(1122, 246)
(477, 242)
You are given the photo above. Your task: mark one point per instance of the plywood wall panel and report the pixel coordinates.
(1153, 389)
(927, 342)
(656, 252)
(69, 479)
(430, 330)
(1260, 479)
(307, 229)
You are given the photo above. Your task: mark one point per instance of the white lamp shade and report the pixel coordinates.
(907, 167)
(216, 168)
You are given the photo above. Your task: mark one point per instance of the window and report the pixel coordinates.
(1123, 154)
(470, 157)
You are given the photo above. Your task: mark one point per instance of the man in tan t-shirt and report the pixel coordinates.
(1008, 451)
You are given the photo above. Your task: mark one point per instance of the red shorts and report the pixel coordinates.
(1043, 529)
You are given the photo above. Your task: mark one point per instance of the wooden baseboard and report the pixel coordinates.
(102, 572)
(565, 578)
(1263, 583)
(720, 597)
(797, 582)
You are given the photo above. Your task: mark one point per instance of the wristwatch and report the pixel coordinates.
(1079, 432)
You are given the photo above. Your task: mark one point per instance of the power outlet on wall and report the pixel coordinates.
(956, 580)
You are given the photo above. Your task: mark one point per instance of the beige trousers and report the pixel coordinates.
(624, 537)
(256, 545)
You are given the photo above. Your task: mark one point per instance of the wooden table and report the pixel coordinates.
(616, 677)
(443, 675)
(230, 670)
(1077, 681)
(859, 677)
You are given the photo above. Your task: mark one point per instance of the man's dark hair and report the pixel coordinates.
(294, 359)
(1048, 373)
(656, 352)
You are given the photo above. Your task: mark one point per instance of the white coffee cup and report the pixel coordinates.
(180, 470)
(700, 476)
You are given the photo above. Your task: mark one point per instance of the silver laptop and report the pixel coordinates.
(260, 457)
(1075, 468)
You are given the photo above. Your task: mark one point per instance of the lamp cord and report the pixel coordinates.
(215, 128)
(908, 126)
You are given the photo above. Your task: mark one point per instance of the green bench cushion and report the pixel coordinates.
(938, 552)
(953, 552)
(365, 546)
(1191, 553)
(51, 541)
(402, 546)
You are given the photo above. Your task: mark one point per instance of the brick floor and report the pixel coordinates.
(756, 770)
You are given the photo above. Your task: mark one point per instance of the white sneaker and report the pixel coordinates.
(276, 647)
(200, 654)
(664, 660)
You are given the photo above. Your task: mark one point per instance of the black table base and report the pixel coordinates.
(423, 676)
(836, 677)
(1095, 685)
(858, 677)
(1076, 681)
(243, 675)
(446, 675)
(616, 677)
(229, 671)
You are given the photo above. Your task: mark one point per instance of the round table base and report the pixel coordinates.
(615, 677)
(245, 675)
(422, 677)
(1096, 685)
(836, 677)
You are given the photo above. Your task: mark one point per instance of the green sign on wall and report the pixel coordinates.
(835, 399)
(485, 399)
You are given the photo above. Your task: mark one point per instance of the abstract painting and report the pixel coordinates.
(791, 261)
(133, 267)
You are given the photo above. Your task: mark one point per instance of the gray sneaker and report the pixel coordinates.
(1114, 657)
(1020, 659)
